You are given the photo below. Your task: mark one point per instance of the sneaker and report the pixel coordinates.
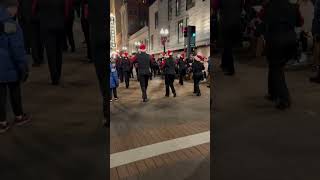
(145, 100)
(167, 95)
(110, 100)
(4, 126)
(116, 99)
(175, 95)
(21, 121)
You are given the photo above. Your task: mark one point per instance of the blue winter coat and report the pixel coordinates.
(13, 61)
(114, 80)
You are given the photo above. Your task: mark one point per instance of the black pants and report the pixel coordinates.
(126, 77)
(15, 98)
(114, 91)
(69, 35)
(169, 79)
(277, 85)
(196, 84)
(131, 73)
(304, 41)
(37, 45)
(143, 79)
(154, 71)
(137, 71)
(120, 74)
(53, 43)
(227, 61)
(182, 74)
(86, 32)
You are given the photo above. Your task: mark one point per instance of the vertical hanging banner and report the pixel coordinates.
(112, 32)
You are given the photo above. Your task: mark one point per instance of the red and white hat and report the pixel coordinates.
(199, 57)
(142, 48)
(169, 53)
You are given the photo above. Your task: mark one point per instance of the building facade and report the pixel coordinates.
(134, 16)
(175, 15)
(138, 38)
(118, 5)
(112, 26)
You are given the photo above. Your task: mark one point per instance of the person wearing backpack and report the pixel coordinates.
(281, 18)
(13, 67)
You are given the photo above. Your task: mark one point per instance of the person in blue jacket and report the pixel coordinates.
(13, 67)
(114, 81)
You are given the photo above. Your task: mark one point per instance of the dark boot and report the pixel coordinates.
(316, 79)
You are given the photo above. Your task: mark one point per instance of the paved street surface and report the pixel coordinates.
(65, 139)
(256, 141)
(136, 126)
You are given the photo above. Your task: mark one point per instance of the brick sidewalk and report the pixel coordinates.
(140, 168)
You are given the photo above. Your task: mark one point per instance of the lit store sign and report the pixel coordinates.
(112, 32)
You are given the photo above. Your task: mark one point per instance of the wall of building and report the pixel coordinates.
(198, 16)
(141, 36)
(124, 25)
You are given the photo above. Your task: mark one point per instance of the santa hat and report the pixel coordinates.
(199, 57)
(169, 53)
(142, 48)
(125, 54)
(182, 55)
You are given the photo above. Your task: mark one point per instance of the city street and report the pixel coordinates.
(65, 139)
(165, 138)
(256, 141)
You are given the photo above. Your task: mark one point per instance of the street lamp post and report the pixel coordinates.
(164, 37)
(137, 44)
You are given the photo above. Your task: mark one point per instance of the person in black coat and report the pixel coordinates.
(169, 71)
(53, 16)
(182, 68)
(144, 62)
(280, 18)
(28, 16)
(24, 14)
(85, 27)
(69, 37)
(229, 32)
(119, 67)
(126, 67)
(197, 68)
(98, 45)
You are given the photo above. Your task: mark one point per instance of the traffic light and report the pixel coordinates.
(192, 32)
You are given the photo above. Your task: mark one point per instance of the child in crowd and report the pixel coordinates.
(114, 81)
(13, 66)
